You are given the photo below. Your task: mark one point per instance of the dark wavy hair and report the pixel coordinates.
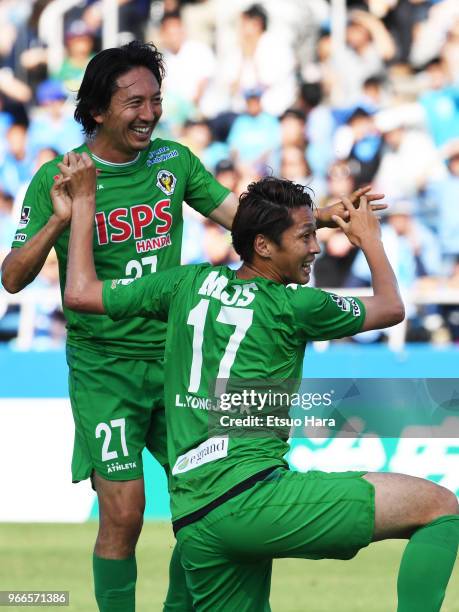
(102, 72)
(256, 11)
(265, 208)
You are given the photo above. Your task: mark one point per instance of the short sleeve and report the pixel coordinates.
(320, 315)
(36, 209)
(203, 192)
(149, 296)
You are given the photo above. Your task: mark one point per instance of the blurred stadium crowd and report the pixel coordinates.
(268, 88)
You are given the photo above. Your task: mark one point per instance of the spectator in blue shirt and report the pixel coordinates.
(53, 124)
(15, 163)
(441, 103)
(445, 195)
(255, 134)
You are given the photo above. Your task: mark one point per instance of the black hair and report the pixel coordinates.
(358, 113)
(102, 72)
(265, 208)
(311, 94)
(169, 15)
(256, 11)
(377, 80)
(296, 113)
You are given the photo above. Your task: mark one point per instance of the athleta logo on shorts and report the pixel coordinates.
(210, 450)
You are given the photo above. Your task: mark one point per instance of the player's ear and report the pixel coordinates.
(262, 246)
(98, 116)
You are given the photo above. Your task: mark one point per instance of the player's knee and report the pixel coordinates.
(449, 503)
(122, 520)
(130, 520)
(445, 502)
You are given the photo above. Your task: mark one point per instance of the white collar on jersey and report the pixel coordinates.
(115, 165)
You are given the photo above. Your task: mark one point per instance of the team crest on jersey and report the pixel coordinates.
(25, 216)
(166, 181)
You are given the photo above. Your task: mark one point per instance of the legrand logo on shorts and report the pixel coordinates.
(210, 450)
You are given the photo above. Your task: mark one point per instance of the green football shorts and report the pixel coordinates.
(118, 409)
(227, 555)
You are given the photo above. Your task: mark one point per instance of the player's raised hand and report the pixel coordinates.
(81, 174)
(60, 197)
(363, 225)
(324, 216)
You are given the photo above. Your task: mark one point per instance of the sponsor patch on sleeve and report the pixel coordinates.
(121, 281)
(346, 304)
(25, 216)
(20, 237)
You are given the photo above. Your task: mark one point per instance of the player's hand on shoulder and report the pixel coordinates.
(362, 226)
(81, 174)
(61, 199)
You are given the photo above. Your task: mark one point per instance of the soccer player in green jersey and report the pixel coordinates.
(141, 185)
(235, 503)
(116, 369)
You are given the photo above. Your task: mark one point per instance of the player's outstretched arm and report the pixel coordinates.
(385, 307)
(83, 290)
(21, 265)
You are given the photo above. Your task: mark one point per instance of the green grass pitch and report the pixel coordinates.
(58, 557)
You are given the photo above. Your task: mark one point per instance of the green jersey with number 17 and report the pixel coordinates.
(221, 328)
(138, 231)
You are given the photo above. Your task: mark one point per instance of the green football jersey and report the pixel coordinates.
(224, 329)
(139, 227)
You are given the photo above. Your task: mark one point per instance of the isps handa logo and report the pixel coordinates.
(166, 181)
(122, 224)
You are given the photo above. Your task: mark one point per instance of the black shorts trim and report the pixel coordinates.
(236, 490)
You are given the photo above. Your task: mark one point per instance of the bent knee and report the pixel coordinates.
(445, 503)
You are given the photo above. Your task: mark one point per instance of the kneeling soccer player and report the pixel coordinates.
(236, 506)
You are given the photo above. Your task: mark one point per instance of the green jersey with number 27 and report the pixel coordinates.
(138, 231)
(223, 328)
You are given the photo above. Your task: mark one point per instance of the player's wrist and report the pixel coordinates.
(58, 222)
(318, 218)
(85, 198)
(371, 243)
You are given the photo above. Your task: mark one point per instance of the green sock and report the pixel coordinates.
(427, 564)
(178, 596)
(114, 584)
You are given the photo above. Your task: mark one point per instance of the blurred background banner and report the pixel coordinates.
(332, 94)
(36, 433)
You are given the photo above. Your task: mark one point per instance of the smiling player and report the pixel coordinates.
(235, 504)
(141, 186)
